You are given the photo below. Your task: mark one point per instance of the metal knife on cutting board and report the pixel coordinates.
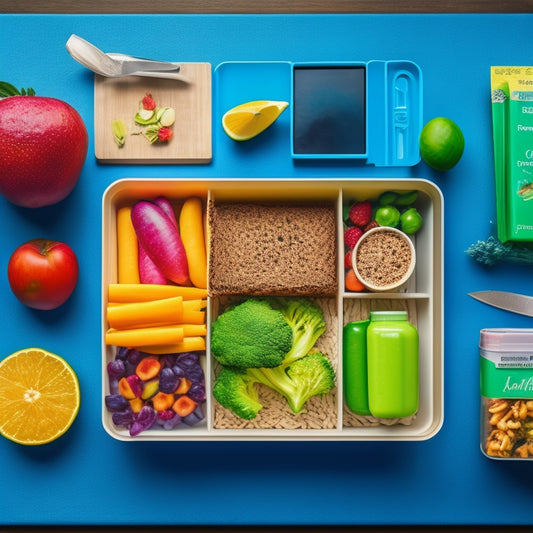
(510, 301)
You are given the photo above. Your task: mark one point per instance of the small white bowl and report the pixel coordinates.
(382, 249)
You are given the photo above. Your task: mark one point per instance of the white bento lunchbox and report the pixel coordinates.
(328, 418)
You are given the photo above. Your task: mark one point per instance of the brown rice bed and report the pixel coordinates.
(319, 412)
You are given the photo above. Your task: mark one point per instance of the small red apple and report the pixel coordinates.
(43, 273)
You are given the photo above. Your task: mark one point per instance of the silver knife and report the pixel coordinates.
(509, 301)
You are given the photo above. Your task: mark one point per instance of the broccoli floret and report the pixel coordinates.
(235, 390)
(251, 335)
(306, 377)
(270, 341)
(306, 320)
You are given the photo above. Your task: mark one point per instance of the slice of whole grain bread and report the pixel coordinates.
(272, 249)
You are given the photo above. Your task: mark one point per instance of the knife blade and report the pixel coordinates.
(509, 301)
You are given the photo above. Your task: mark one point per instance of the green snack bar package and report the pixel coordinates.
(512, 128)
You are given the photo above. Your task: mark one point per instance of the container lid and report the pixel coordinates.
(506, 339)
(388, 315)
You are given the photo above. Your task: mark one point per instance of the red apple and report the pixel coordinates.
(43, 273)
(43, 146)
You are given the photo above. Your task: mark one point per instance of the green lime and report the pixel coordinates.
(441, 143)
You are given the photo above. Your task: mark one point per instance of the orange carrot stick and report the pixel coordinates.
(191, 224)
(142, 292)
(127, 248)
(189, 344)
(139, 337)
(144, 314)
(155, 313)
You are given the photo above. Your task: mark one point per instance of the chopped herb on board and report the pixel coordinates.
(119, 132)
(156, 121)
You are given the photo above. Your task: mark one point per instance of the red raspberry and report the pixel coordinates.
(164, 134)
(148, 102)
(360, 213)
(348, 259)
(351, 236)
(372, 224)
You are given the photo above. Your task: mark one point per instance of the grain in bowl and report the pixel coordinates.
(383, 259)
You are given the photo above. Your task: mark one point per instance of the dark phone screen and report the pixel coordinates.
(329, 110)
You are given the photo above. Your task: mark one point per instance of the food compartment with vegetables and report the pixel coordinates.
(154, 310)
(277, 374)
(296, 299)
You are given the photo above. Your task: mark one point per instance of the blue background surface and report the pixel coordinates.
(87, 477)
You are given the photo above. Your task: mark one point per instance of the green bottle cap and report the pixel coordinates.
(388, 315)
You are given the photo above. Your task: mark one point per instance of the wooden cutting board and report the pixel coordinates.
(118, 98)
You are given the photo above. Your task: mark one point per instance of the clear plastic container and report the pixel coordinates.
(506, 382)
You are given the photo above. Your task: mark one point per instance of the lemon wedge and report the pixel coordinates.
(248, 120)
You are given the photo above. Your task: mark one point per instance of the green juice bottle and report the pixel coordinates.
(393, 375)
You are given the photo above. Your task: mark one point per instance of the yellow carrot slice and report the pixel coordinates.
(194, 305)
(139, 337)
(194, 330)
(136, 404)
(144, 314)
(192, 236)
(143, 292)
(189, 344)
(127, 248)
(193, 317)
(193, 311)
